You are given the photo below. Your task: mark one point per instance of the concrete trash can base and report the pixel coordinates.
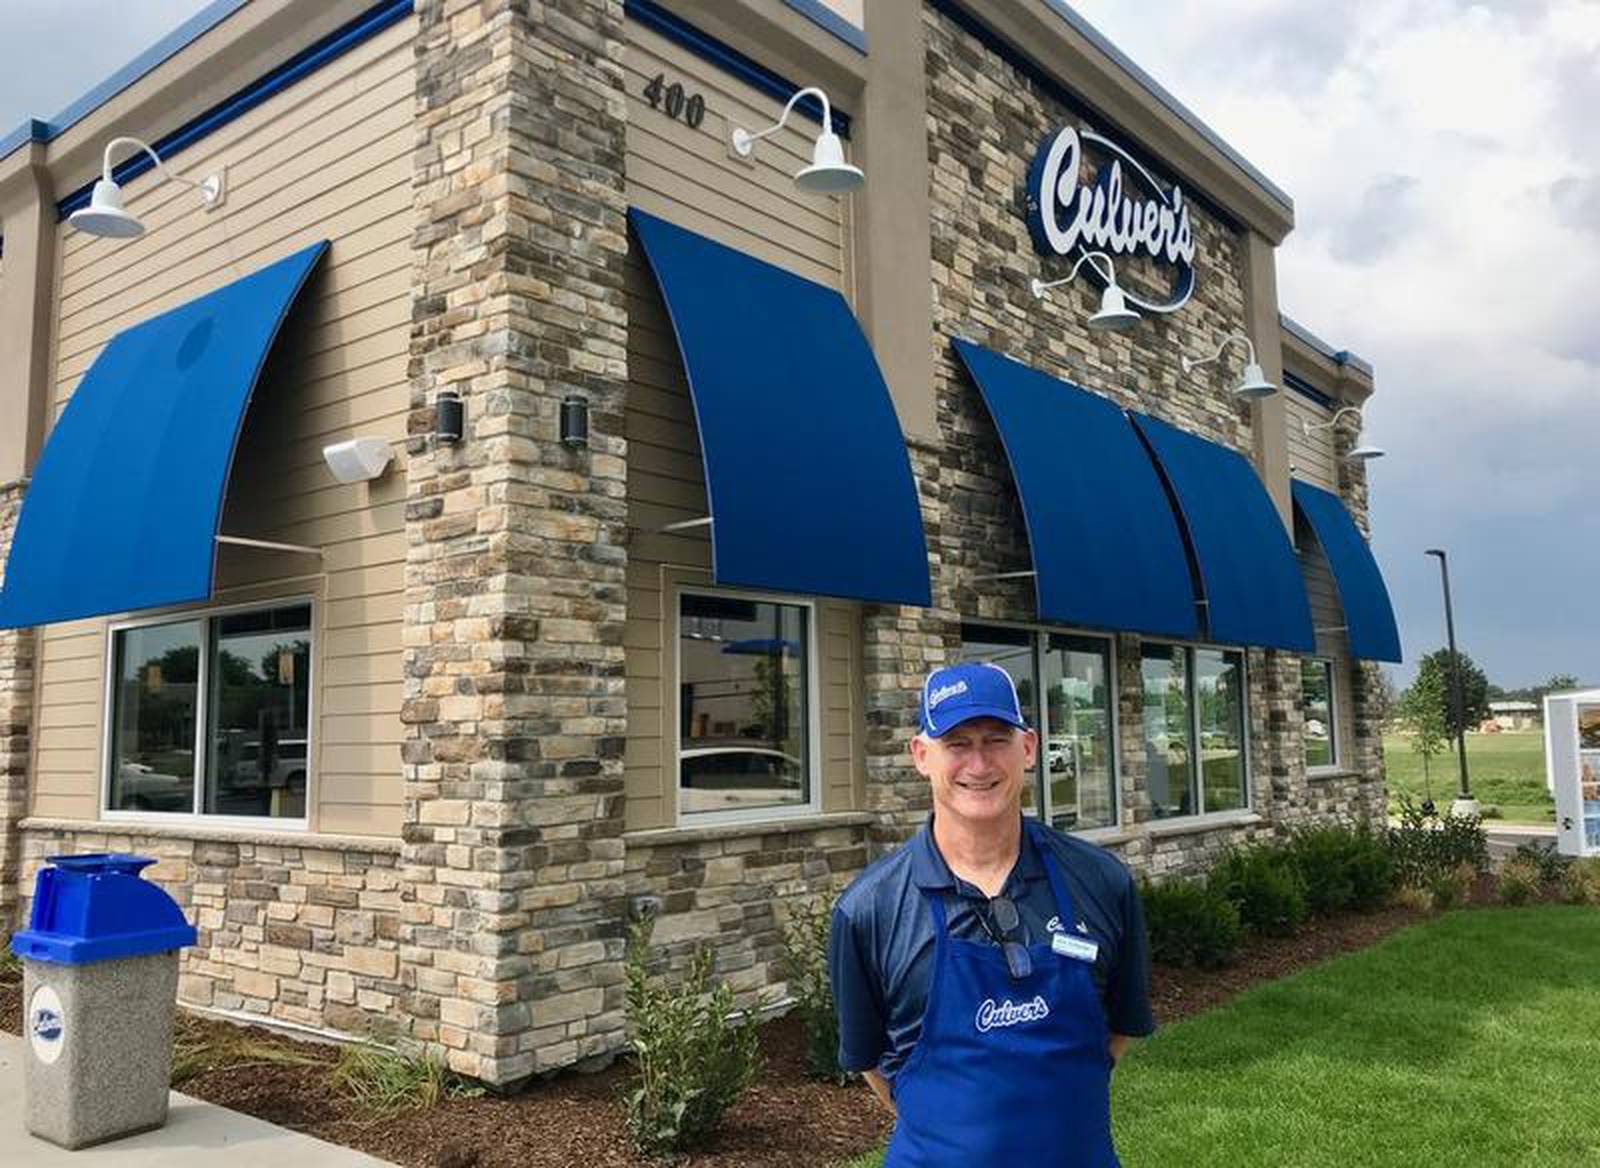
(99, 995)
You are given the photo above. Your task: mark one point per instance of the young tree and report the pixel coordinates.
(1423, 707)
(1474, 689)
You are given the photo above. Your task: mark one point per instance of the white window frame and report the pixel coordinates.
(815, 763)
(203, 684)
(1041, 777)
(1336, 764)
(1196, 753)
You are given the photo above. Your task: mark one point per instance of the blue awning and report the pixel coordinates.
(126, 499)
(1368, 615)
(1248, 573)
(807, 476)
(1106, 549)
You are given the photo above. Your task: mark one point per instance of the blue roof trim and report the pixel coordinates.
(1254, 592)
(1156, 90)
(1368, 614)
(32, 130)
(298, 67)
(125, 504)
(1337, 356)
(820, 14)
(807, 475)
(1117, 564)
(1306, 390)
(729, 59)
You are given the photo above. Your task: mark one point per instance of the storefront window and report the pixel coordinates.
(1316, 696)
(1075, 777)
(744, 680)
(1078, 741)
(156, 705)
(1168, 729)
(1194, 702)
(1219, 705)
(259, 705)
(248, 676)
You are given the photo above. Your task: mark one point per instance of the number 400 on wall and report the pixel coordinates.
(674, 102)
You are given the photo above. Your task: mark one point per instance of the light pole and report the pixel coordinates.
(1465, 804)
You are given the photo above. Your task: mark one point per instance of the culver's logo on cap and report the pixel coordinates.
(973, 689)
(992, 1014)
(946, 691)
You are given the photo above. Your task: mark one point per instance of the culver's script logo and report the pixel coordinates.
(1065, 214)
(946, 691)
(992, 1014)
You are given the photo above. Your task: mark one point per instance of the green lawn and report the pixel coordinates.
(1469, 1040)
(1506, 770)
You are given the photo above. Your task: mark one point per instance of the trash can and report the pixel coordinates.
(100, 988)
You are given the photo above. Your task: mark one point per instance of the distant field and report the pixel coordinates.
(1506, 770)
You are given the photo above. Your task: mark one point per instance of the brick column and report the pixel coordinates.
(512, 861)
(1368, 727)
(16, 726)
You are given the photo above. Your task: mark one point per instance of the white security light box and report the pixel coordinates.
(1572, 762)
(357, 460)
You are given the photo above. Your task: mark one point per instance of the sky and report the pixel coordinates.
(1444, 160)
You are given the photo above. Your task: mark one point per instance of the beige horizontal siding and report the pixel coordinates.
(1327, 616)
(330, 158)
(1312, 454)
(688, 176)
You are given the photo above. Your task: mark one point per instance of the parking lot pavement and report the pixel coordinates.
(197, 1134)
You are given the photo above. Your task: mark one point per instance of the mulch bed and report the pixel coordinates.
(784, 1121)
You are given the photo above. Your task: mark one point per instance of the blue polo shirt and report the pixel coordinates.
(881, 951)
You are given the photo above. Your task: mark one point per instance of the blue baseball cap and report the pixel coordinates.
(960, 693)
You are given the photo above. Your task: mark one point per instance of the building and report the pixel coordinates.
(1513, 716)
(642, 624)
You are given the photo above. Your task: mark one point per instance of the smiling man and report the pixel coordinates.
(989, 972)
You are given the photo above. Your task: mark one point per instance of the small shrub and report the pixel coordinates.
(1190, 923)
(1411, 897)
(10, 968)
(1265, 887)
(805, 965)
(1519, 880)
(383, 1080)
(1425, 848)
(694, 1060)
(202, 1047)
(1582, 883)
(1342, 869)
(1552, 867)
(1451, 886)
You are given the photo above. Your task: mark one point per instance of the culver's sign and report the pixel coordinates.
(1123, 212)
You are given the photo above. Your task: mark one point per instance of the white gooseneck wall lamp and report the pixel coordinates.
(829, 173)
(1363, 449)
(1113, 315)
(1253, 384)
(106, 216)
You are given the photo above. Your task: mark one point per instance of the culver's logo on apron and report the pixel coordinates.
(992, 1014)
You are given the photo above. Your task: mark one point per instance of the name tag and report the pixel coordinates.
(1077, 948)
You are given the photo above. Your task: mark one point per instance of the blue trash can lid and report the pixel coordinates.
(97, 908)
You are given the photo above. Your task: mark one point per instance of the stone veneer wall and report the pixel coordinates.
(512, 863)
(293, 933)
(16, 727)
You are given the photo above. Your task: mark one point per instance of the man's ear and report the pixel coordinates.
(919, 753)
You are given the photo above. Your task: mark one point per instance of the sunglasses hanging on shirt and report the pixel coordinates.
(1002, 922)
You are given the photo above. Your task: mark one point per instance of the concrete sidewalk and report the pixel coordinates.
(197, 1134)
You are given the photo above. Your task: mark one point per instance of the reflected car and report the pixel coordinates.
(712, 767)
(143, 788)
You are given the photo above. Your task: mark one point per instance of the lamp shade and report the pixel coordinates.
(829, 173)
(1365, 450)
(105, 215)
(1114, 315)
(1253, 385)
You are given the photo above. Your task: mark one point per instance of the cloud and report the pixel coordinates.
(47, 61)
(1384, 218)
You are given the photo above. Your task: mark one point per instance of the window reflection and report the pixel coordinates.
(259, 703)
(1079, 748)
(1167, 730)
(155, 705)
(1316, 690)
(1219, 696)
(743, 673)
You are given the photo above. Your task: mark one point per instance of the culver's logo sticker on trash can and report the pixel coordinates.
(47, 1025)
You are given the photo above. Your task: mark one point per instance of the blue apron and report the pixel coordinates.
(1014, 1072)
